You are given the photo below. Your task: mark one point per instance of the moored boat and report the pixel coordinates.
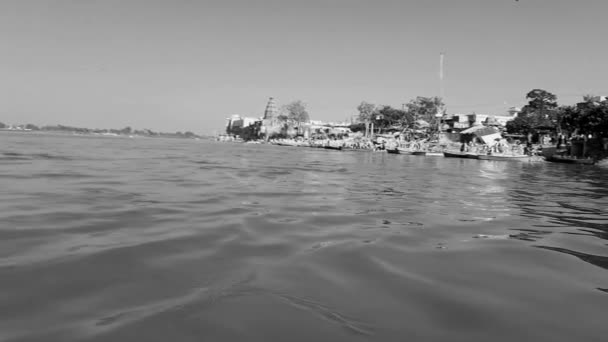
(393, 151)
(556, 158)
(403, 150)
(522, 157)
(453, 154)
(329, 147)
(428, 153)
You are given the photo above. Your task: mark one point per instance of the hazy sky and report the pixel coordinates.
(187, 65)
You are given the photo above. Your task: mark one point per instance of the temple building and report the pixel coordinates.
(270, 121)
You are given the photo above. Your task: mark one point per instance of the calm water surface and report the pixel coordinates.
(118, 239)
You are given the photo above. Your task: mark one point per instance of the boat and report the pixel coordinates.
(393, 151)
(328, 147)
(453, 154)
(434, 154)
(403, 150)
(556, 158)
(428, 153)
(523, 157)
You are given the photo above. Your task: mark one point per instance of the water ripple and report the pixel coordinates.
(169, 239)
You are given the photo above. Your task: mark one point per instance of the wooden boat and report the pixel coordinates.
(467, 155)
(556, 158)
(404, 150)
(522, 157)
(328, 147)
(428, 153)
(393, 151)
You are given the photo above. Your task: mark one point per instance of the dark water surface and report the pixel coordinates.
(118, 239)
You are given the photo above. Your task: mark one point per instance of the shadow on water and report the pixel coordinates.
(597, 260)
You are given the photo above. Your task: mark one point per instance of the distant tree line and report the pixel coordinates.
(124, 131)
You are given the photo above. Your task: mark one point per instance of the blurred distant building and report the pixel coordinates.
(236, 121)
(595, 100)
(458, 122)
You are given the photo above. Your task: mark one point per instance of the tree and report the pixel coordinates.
(586, 118)
(367, 112)
(425, 108)
(521, 125)
(283, 118)
(541, 103)
(358, 127)
(589, 119)
(251, 132)
(390, 117)
(296, 112)
(2, 125)
(540, 112)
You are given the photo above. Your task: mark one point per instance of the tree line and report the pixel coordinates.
(421, 111)
(124, 131)
(542, 113)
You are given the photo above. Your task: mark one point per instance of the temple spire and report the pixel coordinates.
(271, 110)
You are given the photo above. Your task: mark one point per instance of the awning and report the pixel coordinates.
(421, 123)
(490, 139)
(480, 130)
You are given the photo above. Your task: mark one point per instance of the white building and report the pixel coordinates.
(475, 119)
(237, 121)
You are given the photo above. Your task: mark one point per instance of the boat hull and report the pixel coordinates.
(497, 157)
(428, 154)
(338, 148)
(393, 151)
(465, 155)
(434, 154)
(566, 160)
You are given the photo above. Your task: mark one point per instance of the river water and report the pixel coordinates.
(119, 239)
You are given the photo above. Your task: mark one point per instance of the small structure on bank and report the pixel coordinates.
(487, 134)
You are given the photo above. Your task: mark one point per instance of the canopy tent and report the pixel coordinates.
(480, 130)
(485, 133)
(421, 123)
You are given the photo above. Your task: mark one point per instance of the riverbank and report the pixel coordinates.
(501, 150)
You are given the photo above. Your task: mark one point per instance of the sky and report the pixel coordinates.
(178, 65)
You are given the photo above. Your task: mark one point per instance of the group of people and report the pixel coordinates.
(500, 146)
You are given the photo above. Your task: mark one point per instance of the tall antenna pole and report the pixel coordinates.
(441, 109)
(441, 75)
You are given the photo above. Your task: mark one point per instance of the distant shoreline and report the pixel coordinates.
(108, 133)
